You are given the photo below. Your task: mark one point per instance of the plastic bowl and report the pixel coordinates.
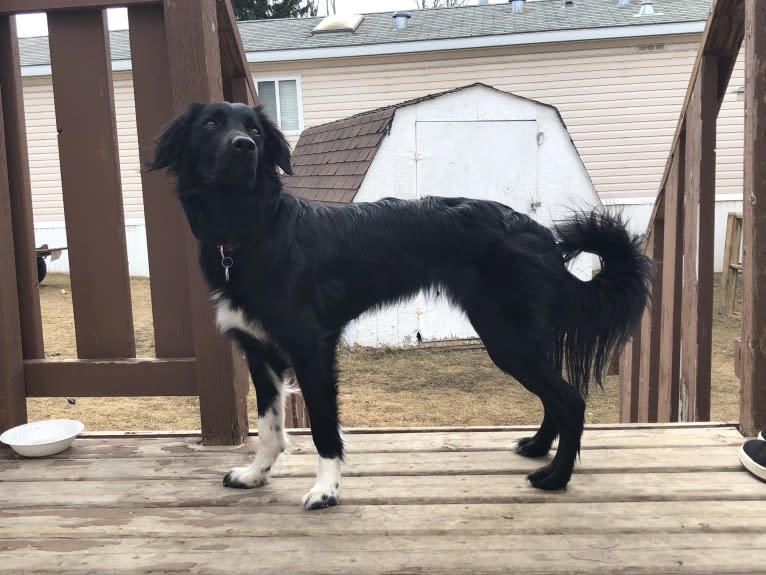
(42, 438)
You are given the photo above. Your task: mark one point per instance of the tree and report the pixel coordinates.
(426, 4)
(329, 6)
(262, 9)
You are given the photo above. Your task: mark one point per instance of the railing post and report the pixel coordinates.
(670, 343)
(12, 102)
(753, 348)
(90, 177)
(165, 223)
(13, 407)
(699, 224)
(195, 74)
(649, 369)
(630, 362)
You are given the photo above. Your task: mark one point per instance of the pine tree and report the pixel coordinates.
(261, 9)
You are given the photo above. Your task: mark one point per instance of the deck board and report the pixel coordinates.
(644, 499)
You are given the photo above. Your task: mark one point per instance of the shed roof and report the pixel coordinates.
(331, 160)
(260, 36)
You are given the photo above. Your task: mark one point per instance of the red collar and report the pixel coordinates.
(228, 247)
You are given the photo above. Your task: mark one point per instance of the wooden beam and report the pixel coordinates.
(630, 361)
(22, 6)
(753, 348)
(90, 177)
(699, 225)
(191, 31)
(672, 270)
(165, 226)
(649, 362)
(12, 102)
(111, 378)
(238, 81)
(13, 406)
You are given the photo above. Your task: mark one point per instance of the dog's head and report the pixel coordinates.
(225, 157)
(222, 143)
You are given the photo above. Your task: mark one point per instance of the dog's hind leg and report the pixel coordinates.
(270, 393)
(540, 443)
(317, 379)
(518, 346)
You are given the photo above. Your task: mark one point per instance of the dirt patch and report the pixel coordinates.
(377, 387)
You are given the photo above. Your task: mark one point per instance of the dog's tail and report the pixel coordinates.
(595, 318)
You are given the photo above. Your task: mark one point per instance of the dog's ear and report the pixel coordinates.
(170, 144)
(277, 148)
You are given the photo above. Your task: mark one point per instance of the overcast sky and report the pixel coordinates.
(35, 24)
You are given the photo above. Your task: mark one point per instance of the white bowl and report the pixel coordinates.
(42, 438)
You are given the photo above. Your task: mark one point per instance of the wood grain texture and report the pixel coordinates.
(672, 269)
(644, 500)
(753, 348)
(699, 225)
(20, 191)
(13, 402)
(92, 188)
(191, 32)
(165, 223)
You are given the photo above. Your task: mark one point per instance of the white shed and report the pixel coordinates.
(473, 141)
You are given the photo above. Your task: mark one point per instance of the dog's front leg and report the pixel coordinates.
(270, 395)
(318, 384)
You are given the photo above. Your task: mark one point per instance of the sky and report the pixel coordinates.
(35, 24)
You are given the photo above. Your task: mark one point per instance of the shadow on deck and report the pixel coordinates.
(644, 499)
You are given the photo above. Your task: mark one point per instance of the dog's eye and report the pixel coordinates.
(210, 124)
(255, 131)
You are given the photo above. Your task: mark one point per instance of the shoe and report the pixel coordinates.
(752, 455)
(762, 435)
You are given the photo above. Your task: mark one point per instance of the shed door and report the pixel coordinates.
(494, 160)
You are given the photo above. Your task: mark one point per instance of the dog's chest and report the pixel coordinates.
(231, 317)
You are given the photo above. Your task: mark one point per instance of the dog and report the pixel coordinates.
(287, 274)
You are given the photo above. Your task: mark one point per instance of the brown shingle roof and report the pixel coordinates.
(330, 161)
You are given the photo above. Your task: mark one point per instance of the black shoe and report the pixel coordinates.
(752, 454)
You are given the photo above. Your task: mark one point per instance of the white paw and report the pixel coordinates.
(326, 490)
(320, 497)
(246, 477)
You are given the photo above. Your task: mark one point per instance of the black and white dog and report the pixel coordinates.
(286, 275)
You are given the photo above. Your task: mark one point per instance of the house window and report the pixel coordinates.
(280, 99)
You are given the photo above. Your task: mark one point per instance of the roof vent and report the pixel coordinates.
(400, 20)
(517, 5)
(569, 4)
(623, 2)
(338, 23)
(647, 8)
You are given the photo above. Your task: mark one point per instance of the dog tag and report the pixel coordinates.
(226, 262)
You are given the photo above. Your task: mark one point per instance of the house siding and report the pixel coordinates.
(42, 142)
(620, 106)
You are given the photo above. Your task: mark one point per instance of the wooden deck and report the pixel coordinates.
(644, 499)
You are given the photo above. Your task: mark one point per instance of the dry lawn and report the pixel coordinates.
(377, 387)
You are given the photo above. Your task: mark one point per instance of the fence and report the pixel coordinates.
(665, 371)
(181, 50)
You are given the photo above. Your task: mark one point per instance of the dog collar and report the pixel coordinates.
(226, 260)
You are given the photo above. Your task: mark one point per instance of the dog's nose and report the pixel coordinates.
(243, 144)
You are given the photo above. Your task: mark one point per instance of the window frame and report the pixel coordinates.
(299, 97)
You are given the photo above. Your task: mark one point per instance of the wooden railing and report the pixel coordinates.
(666, 370)
(181, 51)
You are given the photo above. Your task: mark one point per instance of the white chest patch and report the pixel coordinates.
(230, 317)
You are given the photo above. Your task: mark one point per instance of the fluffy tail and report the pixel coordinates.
(596, 318)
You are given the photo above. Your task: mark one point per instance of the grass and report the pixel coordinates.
(413, 387)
